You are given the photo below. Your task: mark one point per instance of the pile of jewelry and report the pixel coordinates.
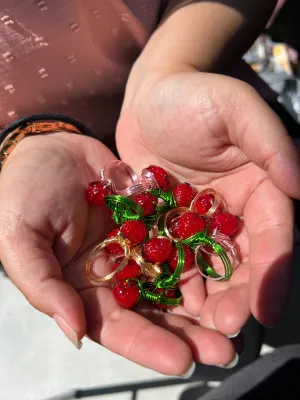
(160, 233)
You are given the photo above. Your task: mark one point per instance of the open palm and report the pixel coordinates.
(47, 233)
(206, 130)
(214, 131)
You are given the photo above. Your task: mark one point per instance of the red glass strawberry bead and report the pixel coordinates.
(160, 175)
(126, 294)
(204, 203)
(114, 248)
(134, 231)
(174, 228)
(131, 270)
(147, 201)
(183, 194)
(225, 223)
(96, 192)
(157, 250)
(189, 224)
(169, 293)
(188, 258)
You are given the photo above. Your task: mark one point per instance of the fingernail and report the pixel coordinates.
(234, 335)
(189, 372)
(68, 331)
(232, 364)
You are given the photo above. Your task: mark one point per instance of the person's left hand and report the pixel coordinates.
(214, 131)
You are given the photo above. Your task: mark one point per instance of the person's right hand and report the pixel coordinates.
(47, 226)
(47, 231)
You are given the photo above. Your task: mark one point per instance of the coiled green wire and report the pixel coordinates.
(167, 197)
(196, 239)
(157, 298)
(124, 208)
(207, 240)
(172, 280)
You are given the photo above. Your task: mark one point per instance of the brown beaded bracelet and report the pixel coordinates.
(34, 125)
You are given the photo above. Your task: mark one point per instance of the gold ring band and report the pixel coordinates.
(119, 239)
(179, 211)
(152, 271)
(217, 201)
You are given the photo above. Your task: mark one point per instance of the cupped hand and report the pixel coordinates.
(46, 224)
(47, 231)
(215, 131)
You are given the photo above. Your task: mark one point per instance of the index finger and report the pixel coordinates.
(269, 223)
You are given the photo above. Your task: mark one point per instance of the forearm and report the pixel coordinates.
(205, 35)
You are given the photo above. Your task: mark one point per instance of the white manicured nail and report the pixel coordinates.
(234, 335)
(189, 372)
(70, 333)
(232, 364)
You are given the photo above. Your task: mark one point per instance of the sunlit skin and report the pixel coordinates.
(209, 130)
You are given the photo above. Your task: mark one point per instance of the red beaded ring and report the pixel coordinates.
(172, 216)
(152, 271)
(161, 232)
(120, 240)
(226, 243)
(213, 202)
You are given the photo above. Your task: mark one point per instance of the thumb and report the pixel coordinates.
(30, 263)
(263, 138)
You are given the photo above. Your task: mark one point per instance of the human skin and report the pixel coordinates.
(204, 128)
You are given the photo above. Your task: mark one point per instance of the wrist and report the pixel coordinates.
(144, 75)
(201, 36)
(36, 125)
(36, 146)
